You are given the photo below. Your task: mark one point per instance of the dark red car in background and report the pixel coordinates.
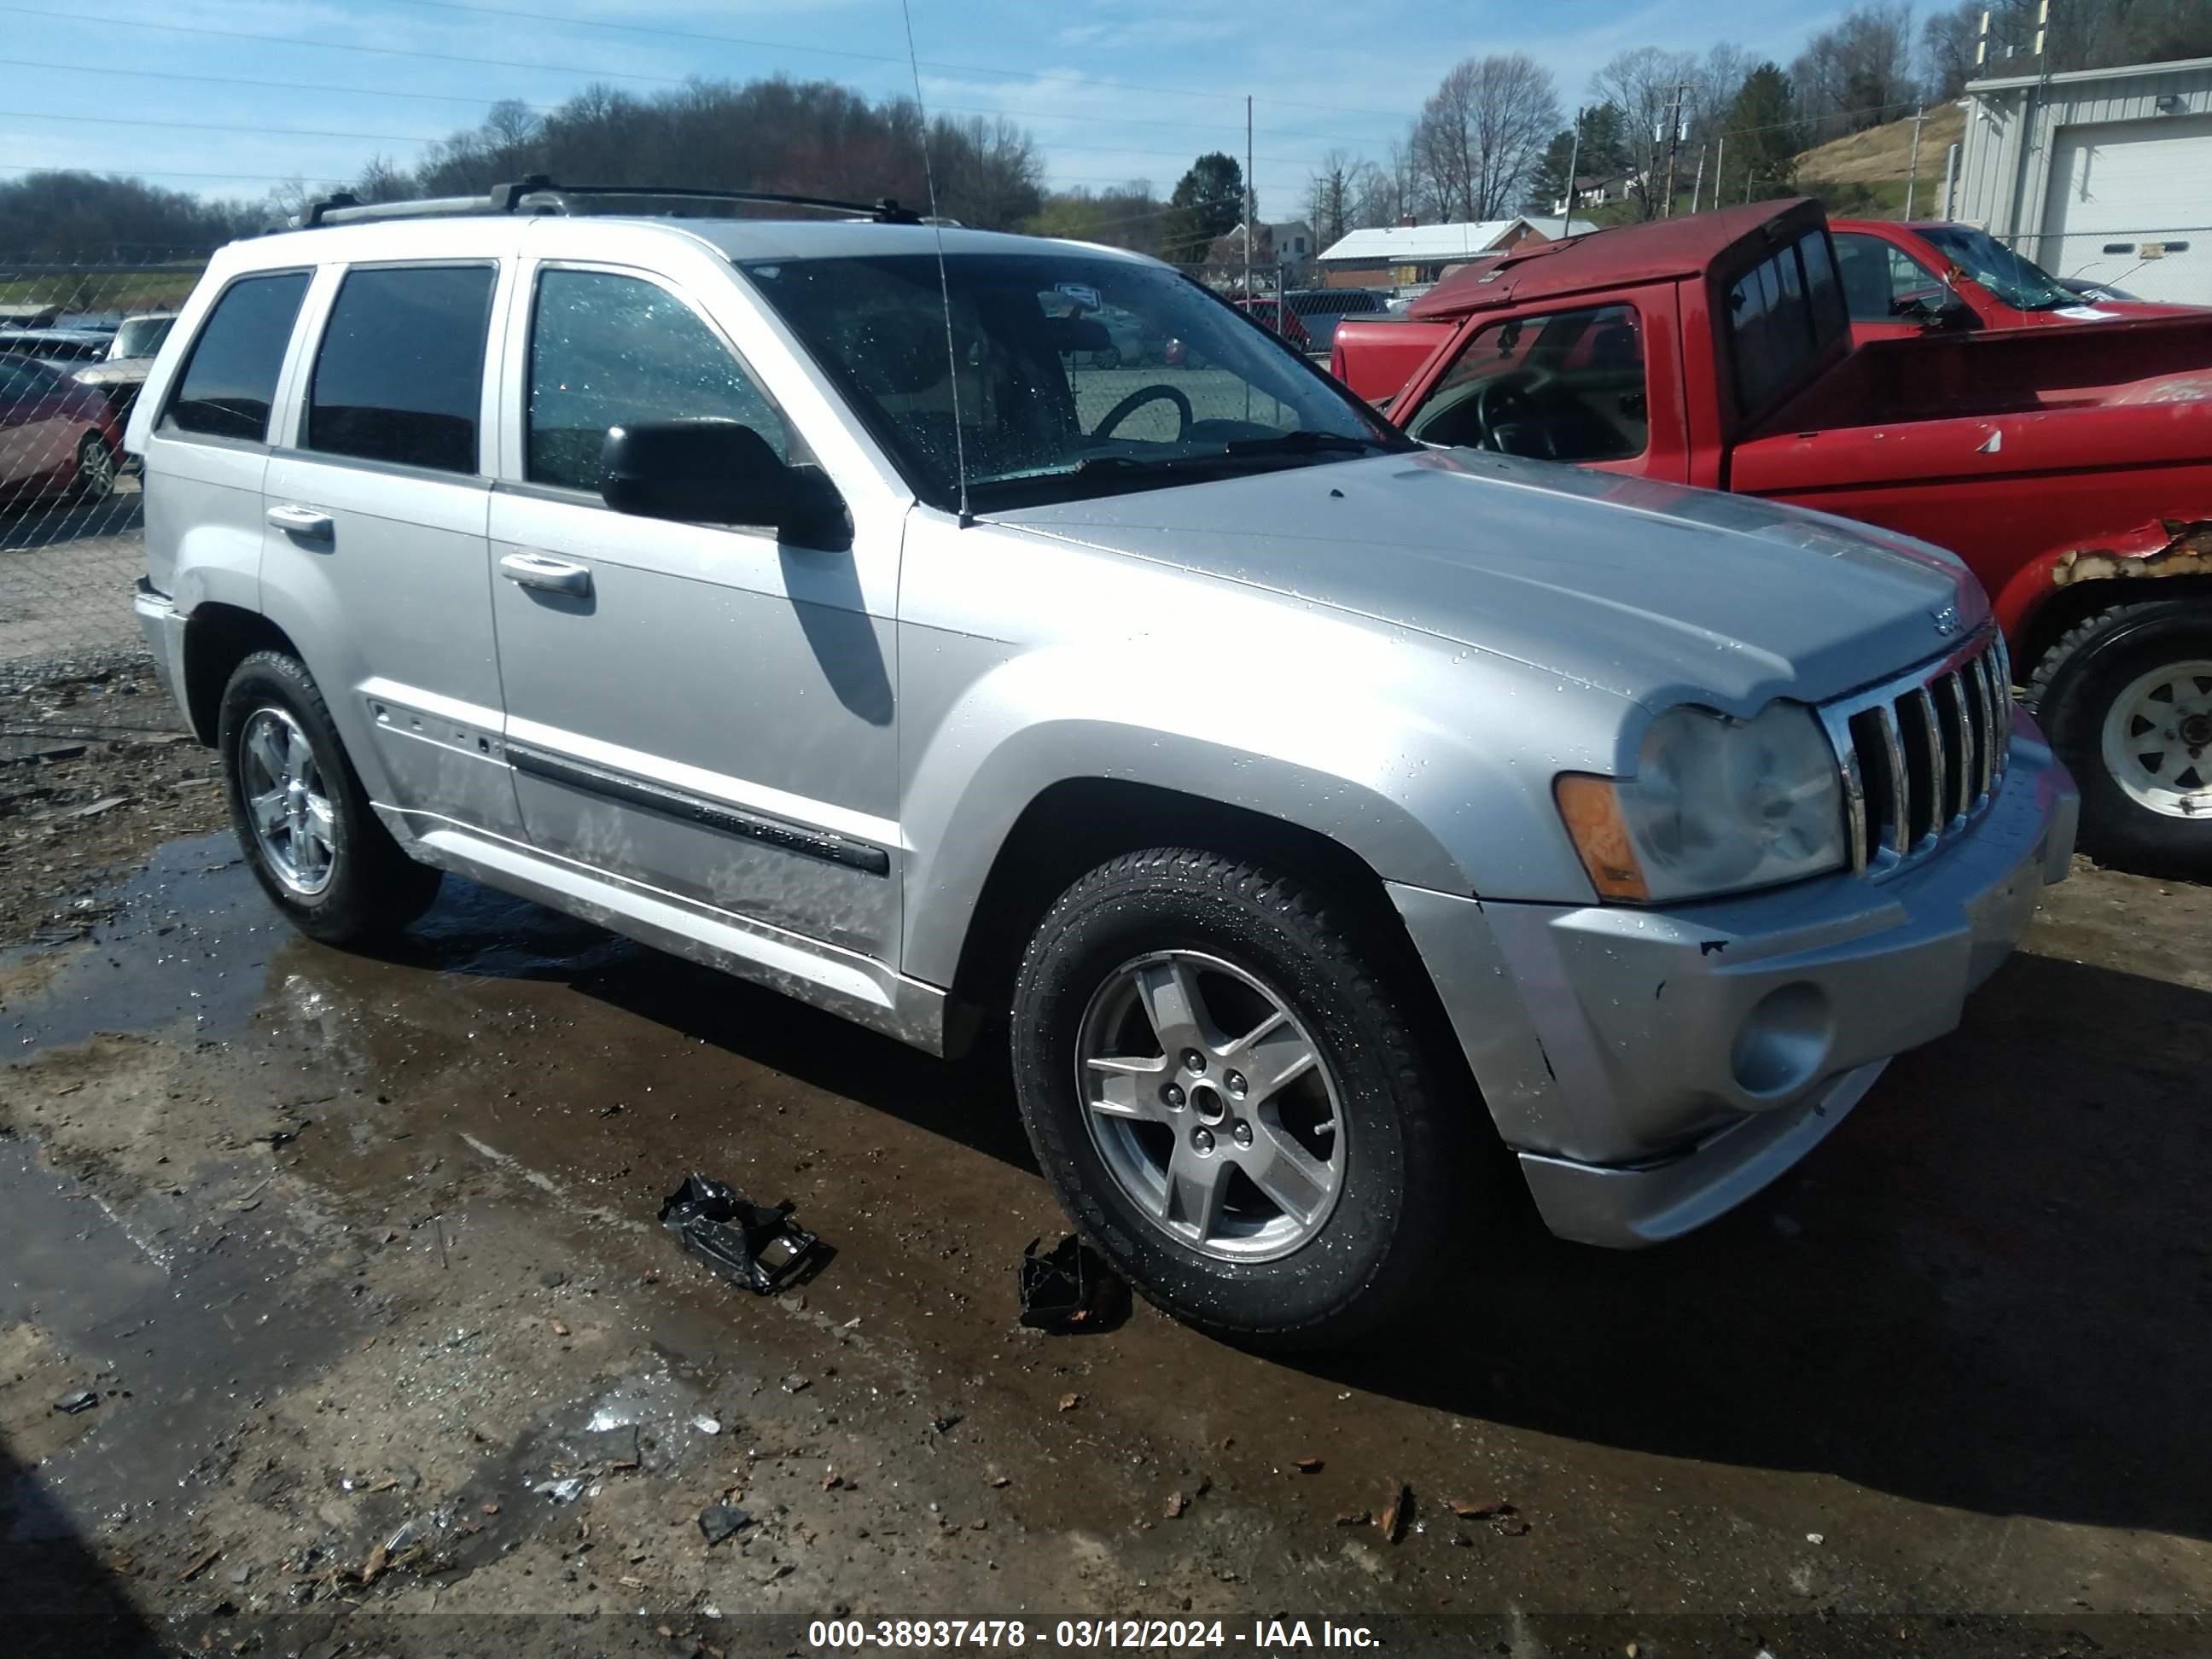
(1271, 314)
(56, 437)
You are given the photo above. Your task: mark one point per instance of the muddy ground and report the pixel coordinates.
(358, 1259)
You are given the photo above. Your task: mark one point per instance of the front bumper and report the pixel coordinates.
(165, 639)
(1652, 1068)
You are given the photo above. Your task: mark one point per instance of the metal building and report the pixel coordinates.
(2100, 175)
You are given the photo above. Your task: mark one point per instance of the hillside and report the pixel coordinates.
(1883, 152)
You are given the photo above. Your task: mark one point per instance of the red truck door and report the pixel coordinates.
(1597, 384)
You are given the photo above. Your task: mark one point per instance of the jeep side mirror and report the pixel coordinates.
(708, 471)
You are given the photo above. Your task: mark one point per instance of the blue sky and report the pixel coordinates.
(237, 94)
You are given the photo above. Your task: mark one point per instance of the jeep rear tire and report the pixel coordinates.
(303, 820)
(2125, 698)
(1231, 1098)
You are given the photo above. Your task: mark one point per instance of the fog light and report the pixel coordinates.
(1783, 1044)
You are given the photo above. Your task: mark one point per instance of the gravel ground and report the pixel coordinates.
(358, 1259)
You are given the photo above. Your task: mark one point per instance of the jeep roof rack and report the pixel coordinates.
(536, 193)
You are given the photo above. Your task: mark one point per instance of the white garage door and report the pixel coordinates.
(2129, 204)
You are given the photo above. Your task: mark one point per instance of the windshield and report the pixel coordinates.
(141, 337)
(1078, 375)
(2019, 283)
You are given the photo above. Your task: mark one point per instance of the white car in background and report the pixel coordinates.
(122, 372)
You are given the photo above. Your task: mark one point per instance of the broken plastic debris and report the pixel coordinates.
(734, 1236)
(707, 1424)
(566, 1489)
(720, 1520)
(83, 1400)
(1069, 1288)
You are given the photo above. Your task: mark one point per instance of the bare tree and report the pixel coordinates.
(988, 170)
(1479, 139)
(1647, 85)
(383, 179)
(1859, 73)
(1386, 194)
(1947, 50)
(1333, 196)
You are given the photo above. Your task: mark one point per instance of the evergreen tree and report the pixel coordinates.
(1208, 202)
(1762, 133)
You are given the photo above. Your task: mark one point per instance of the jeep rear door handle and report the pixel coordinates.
(300, 521)
(554, 575)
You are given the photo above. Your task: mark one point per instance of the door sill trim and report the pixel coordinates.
(844, 982)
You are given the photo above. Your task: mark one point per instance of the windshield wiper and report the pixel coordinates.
(1304, 443)
(1235, 454)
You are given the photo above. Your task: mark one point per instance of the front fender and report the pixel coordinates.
(2158, 548)
(1432, 764)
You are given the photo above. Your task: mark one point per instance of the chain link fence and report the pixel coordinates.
(76, 338)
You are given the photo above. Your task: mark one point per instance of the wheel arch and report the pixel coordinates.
(1075, 824)
(2055, 593)
(217, 638)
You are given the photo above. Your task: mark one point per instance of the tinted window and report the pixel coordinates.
(608, 351)
(230, 378)
(1566, 387)
(1779, 320)
(399, 377)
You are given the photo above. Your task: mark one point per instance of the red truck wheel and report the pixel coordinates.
(2125, 698)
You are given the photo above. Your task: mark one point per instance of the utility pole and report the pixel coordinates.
(1720, 169)
(1674, 135)
(1912, 171)
(1698, 189)
(1574, 168)
(1250, 229)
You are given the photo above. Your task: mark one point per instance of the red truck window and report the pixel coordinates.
(1568, 387)
(1782, 315)
(1883, 283)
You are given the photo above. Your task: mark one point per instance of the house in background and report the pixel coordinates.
(1288, 243)
(1399, 256)
(1597, 189)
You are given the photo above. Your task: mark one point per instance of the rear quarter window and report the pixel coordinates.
(1782, 315)
(399, 376)
(229, 380)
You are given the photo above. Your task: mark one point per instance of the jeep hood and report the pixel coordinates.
(1658, 592)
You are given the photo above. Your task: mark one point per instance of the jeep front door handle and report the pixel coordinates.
(554, 575)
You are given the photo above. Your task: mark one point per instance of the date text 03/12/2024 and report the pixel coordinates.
(1260, 1637)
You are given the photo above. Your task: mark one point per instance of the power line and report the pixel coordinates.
(419, 138)
(218, 127)
(880, 58)
(603, 74)
(270, 83)
(144, 172)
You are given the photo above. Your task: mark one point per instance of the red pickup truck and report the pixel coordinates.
(2070, 468)
(1900, 280)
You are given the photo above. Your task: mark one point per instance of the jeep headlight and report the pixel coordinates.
(1717, 805)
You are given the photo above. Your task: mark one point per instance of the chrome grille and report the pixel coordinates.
(1921, 756)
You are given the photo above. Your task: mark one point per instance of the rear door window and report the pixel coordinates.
(400, 375)
(229, 380)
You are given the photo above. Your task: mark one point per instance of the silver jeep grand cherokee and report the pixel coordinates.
(1340, 825)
